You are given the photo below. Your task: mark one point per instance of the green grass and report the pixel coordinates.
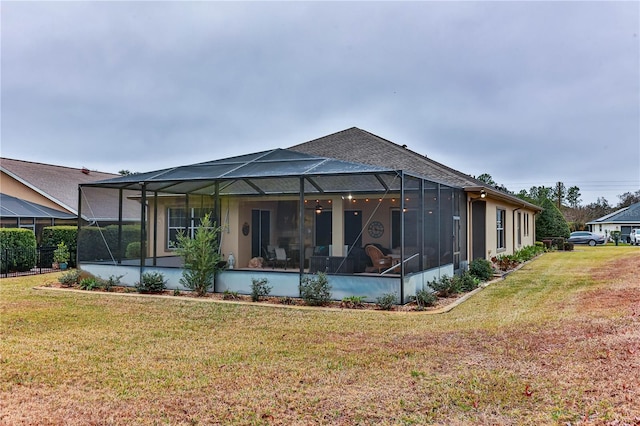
(551, 344)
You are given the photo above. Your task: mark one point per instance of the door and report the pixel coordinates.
(353, 228)
(478, 229)
(323, 228)
(261, 232)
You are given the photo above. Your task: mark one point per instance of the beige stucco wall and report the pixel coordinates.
(510, 227)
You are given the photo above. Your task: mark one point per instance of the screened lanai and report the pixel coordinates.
(284, 215)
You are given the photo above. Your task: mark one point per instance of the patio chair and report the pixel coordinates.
(379, 260)
(269, 258)
(281, 257)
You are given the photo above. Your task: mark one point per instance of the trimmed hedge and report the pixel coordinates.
(18, 249)
(92, 239)
(54, 235)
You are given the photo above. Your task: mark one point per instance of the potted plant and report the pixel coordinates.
(61, 256)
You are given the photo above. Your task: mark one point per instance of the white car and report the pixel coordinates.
(634, 237)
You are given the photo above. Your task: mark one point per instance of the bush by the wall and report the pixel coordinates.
(315, 290)
(481, 269)
(18, 249)
(386, 301)
(151, 282)
(101, 243)
(259, 289)
(133, 250)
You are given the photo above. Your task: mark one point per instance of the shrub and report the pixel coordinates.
(89, 284)
(445, 286)
(201, 256)
(52, 236)
(18, 249)
(315, 290)
(69, 278)
(568, 246)
(97, 243)
(287, 300)
(259, 288)
(133, 250)
(386, 301)
(481, 269)
(424, 298)
(467, 282)
(353, 302)
(113, 280)
(505, 262)
(230, 295)
(151, 282)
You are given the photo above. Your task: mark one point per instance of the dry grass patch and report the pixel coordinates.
(555, 343)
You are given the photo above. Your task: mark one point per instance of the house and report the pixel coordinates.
(499, 223)
(35, 195)
(320, 206)
(623, 220)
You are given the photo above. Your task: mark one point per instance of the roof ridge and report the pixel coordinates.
(53, 165)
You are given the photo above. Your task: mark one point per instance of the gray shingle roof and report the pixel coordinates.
(629, 214)
(58, 183)
(360, 146)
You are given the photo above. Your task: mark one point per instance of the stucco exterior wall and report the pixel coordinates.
(512, 222)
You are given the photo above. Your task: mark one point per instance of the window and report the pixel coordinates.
(501, 215)
(519, 229)
(177, 222)
(526, 224)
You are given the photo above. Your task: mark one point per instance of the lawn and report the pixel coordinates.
(557, 342)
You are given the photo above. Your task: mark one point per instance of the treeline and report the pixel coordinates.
(567, 201)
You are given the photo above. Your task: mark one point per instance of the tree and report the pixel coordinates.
(550, 223)
(600, 208)
(573, 197)
(540, 193)
(559, 193)
(628, 198)
(201, 256)
(486, 178)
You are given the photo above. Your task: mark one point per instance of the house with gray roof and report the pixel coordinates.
(375, 216)
(35, 195)
(623, 220)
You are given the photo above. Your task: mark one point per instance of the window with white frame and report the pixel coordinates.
(501, 216)
(177, 221)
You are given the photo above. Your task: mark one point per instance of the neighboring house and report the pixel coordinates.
(318, 206)
(48, 195)
(623, 220)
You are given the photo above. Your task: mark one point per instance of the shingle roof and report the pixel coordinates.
(57, 183)
(15, 207)
(629, 214)
(360, 146)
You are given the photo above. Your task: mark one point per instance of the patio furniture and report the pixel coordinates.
(379, 260)
(281, 257)
(269, 258)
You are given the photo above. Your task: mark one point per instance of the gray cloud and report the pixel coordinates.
(530, 92)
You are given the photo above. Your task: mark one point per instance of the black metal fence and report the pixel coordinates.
(16, 262)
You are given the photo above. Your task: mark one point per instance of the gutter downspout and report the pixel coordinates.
(513, 229)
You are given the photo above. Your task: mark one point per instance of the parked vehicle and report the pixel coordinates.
(634, 237)
(586, 237)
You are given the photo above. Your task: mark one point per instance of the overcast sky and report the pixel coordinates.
(530, 92)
